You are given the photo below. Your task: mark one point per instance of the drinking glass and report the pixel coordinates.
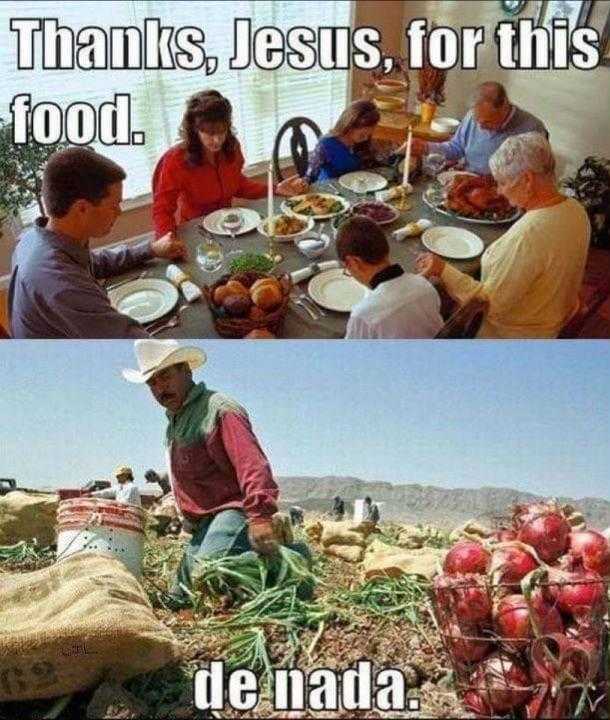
(210, 255)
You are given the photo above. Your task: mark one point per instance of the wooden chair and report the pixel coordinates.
(465, 322)
(592, 297)
(298, 145)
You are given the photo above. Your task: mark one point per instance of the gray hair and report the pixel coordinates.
(520, 153)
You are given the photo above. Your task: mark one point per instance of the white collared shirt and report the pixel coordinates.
(128, 494)
(407, 306)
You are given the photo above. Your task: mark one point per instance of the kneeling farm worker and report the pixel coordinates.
(221, 478)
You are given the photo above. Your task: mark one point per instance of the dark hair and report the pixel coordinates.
(77, 173)
(359, 114)
(208, 106)
(362, 237)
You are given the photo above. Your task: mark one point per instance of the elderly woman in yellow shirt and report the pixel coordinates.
(531, 275)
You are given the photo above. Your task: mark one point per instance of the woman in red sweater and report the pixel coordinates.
(204, 172)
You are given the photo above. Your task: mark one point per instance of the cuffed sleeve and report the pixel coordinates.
(113, 261)
(251, 466)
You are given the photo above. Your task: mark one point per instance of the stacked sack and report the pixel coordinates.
(342, 539)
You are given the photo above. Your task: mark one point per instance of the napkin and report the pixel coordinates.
(412, 229)
(182, 281)
(394, 192)
(305, 273)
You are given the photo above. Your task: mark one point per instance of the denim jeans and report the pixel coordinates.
(225, 533)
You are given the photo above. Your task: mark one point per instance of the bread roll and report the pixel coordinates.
(267, 295)
(221, 293)
(236, 288)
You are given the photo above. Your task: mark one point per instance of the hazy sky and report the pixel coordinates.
(533, 416)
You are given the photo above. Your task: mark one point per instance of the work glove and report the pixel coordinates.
(262, 538)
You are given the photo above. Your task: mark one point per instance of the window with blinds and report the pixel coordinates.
(262, 100)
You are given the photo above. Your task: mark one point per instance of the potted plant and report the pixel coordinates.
(431, 91)
(21, 172)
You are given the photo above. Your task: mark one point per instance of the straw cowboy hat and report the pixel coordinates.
(155, 355)
(123, 470)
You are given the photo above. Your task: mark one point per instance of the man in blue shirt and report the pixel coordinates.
(484, 128)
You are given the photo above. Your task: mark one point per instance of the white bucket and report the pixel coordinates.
(96, 525)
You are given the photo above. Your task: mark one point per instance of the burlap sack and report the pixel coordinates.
(346, 532)
(350, 553)
(282, 528)
(165, 508)
(411, 537)
(313, 530)
(470, 530)
(382, 559)
(25, 517)
(75, 624)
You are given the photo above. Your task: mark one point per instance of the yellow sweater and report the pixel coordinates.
(531, 275)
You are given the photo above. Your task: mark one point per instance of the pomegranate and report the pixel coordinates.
(502, 683)
(462, 597)
(475, 703)
(547, 533)
(580, 593)
(464, 642)
(467, 557)
(591, 549)
(513, 619)
(511, 564)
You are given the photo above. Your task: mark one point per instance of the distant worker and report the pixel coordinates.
(152, 476)
(297, 515)
(126, 491)
(371, 511)
(338, 508)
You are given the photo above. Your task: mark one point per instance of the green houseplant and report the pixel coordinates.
(21, 172)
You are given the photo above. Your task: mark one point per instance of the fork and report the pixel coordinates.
(304, 298)
(172, 322)
(309, 310)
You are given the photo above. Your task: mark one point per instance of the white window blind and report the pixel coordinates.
(262, 100)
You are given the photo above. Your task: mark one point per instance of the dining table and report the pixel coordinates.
(195, 320)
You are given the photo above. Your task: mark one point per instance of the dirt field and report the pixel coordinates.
(405, 640)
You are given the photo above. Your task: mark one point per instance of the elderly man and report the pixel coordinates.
(126, 490)
(54, 290)
(531, 276)
(221, 478)
(492, 119)
(399, 305)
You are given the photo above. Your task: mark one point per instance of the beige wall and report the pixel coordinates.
(574, 104)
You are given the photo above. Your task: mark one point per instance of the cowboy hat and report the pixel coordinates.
(123, 470)
(156, 355)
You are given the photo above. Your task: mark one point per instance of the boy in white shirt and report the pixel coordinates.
(399, 305)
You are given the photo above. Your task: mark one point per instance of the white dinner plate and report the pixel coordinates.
(452, 242)
(362, 181)
(213, 222)
(145, 299)
(286, 208)
(288, 238)
(334, 290)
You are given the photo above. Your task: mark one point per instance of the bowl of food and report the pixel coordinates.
(286, 227)
(389, 103)
(444, 125)
(387, 86)
(380, 212)
(248, 301)
(313, 246)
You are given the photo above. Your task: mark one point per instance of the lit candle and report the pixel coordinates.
(405, 173)
(270, 219)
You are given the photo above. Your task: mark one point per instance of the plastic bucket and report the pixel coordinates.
(96, 525)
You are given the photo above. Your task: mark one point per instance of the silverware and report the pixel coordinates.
(125, 281)
(172, 322)
(306, 299)
(160, 323)
(305, 307)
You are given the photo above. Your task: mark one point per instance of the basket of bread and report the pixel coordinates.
(248, 301)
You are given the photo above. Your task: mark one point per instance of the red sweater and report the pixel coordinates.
(199, 190)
